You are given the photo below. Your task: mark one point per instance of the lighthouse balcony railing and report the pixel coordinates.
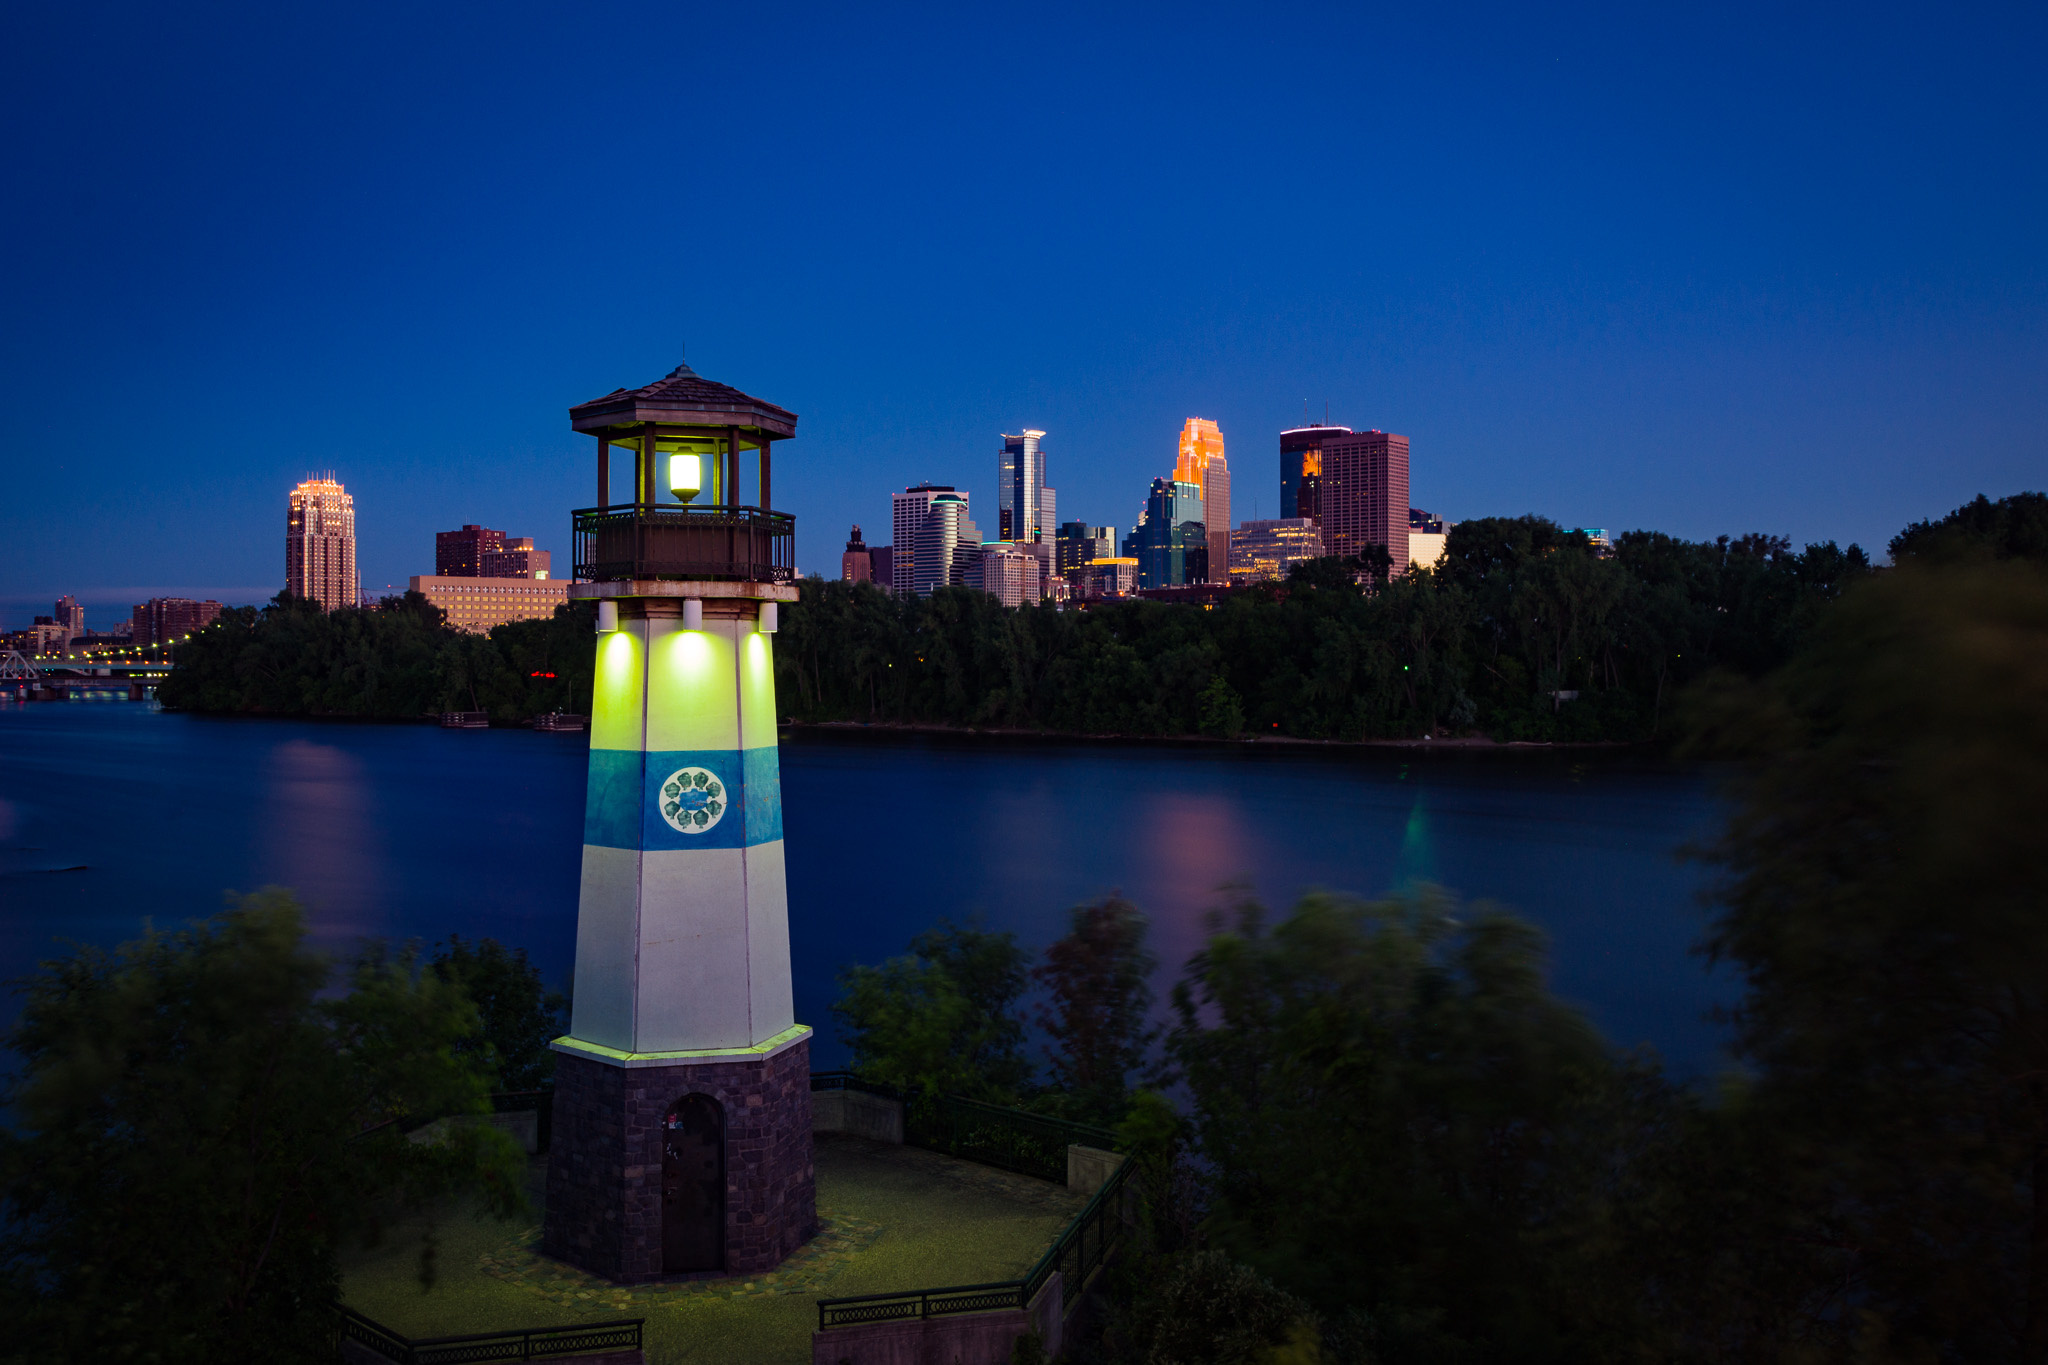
(636, 541)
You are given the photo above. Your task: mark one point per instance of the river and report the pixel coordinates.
(113, 813)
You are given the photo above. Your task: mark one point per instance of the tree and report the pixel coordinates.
(1099, 980)
(2011, 528)
(943, 1018)
(1399, 1118)
(1201, 1309)
(1329, 573)
(519, 1015)
(398, 660)
(1881, 892)
(1222, 709)
(200, 1128)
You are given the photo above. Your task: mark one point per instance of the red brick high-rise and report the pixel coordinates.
(164, 619)
(460, 554)
(1365, 494)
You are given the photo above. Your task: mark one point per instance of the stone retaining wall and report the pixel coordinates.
(855, 1111)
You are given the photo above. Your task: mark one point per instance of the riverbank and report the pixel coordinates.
(1447, 742)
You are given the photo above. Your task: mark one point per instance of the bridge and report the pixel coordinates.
(24, 679)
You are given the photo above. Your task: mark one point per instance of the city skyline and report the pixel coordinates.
(1727, 273)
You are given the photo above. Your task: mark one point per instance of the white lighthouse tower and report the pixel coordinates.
(682, 1111)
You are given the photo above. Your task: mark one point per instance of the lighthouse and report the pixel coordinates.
(682, 1109)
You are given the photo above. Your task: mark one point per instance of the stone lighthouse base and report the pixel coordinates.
(613, 1211)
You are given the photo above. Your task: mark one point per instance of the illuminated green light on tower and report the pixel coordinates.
(618, 663)
(689, 660)
(685, 476)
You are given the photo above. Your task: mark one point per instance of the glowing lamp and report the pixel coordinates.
(767, 623)
(685, 476)
(693, 613)
(607, 616)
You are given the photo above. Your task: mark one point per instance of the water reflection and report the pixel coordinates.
(1418, 851)
(1188, 847)
(322, 839)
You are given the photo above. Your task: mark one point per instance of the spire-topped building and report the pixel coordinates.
(320, 544)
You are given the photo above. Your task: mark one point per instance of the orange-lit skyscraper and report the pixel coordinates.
(1301, 469)
(320, 544)
(1201, 463)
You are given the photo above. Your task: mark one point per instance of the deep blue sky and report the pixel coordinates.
(1710, 272)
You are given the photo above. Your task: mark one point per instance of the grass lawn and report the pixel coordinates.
(894, 1218)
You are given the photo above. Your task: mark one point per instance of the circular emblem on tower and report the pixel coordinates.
(692, 800)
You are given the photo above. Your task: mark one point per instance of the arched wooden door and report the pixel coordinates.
(693, 1186)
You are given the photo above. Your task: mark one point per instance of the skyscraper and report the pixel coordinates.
(946, 545)
(1201, 463)
(1171, 545)
(163, 619)
(856, 565)
(71, 616)
(460, 554)
(480, 552)
(1022, 512)
(1077, 544)
(1301, 469)
(320, 544)
(907, 514)
(1365, 495)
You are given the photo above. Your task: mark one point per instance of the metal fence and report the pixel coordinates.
(992, 1134)
(537, 1343)
(1081, 1250)
(1088, 1241)
(847, 1080)
(650, 541)
(1030, 1144)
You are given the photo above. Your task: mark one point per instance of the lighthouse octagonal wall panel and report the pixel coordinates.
(682, 941)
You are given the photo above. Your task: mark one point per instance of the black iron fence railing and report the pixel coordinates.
(992, 1134)
(647, 540)
(1081, 1250)
(542, 1102)
(920, 1304)
(847, 1080)
(1030, 1144)
(1088, 1241)
(537, 1343)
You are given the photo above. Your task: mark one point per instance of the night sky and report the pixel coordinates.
(1713, 272)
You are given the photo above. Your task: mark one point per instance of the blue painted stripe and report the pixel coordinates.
(761, 781)
(622, 808)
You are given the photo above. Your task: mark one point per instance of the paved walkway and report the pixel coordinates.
(893, 1218)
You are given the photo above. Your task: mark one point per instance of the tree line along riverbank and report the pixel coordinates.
(1522, 632)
